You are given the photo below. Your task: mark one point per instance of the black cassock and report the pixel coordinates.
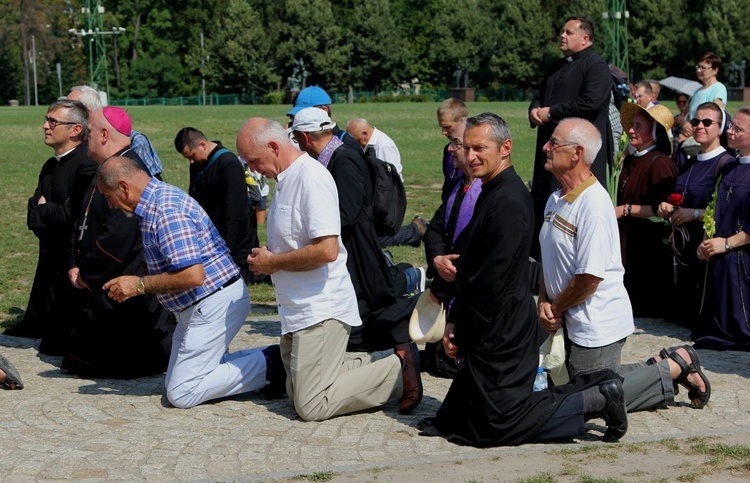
(579, 87)
(385, 314)
(491, 401)
(128, 339)
(62, 183)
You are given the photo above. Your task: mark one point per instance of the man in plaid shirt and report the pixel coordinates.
(193, 275)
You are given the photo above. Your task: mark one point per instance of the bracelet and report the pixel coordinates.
(727, 246)
(141, 286)
(629, 209)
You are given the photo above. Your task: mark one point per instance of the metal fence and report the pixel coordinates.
(502, 94)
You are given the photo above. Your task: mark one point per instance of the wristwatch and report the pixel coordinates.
(696, 214)
(141, 287)
(727, 246)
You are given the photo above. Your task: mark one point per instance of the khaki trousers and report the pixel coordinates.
(324, 381)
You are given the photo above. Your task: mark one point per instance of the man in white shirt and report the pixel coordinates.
(583, 285)
(371, 137)
(317, 305)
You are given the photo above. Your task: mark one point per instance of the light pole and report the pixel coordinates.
(98, 73)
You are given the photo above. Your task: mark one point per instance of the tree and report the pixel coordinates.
(239, 52)
(379, 55)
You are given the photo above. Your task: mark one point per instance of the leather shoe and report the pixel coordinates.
(275, 374)
(615, 413)
(412, 379)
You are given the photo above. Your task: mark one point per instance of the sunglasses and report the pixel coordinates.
(53, 123)
(706, 122)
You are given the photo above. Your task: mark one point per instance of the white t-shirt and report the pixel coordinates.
(580, 235)
(385, 149)
(306, 206)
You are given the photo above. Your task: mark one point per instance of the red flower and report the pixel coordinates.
(675, 199)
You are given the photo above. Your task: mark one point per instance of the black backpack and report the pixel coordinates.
(389, 195)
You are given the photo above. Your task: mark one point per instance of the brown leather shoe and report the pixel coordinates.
(412, 379)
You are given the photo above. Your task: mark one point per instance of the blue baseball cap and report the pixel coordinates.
(310, 97)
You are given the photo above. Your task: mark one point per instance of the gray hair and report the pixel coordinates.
(586, 135)
(116, 168)
(354, 122)
(500, 129)
(76, 113)
(743, 110)
(270, 131)
(89, 97)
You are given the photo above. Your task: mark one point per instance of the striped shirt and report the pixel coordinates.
(177, 234)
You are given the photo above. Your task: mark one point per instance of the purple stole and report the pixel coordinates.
(466, 208)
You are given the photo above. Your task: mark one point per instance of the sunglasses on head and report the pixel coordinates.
(705, 122)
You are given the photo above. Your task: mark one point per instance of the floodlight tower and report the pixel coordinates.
(616, 34)
(94, 33)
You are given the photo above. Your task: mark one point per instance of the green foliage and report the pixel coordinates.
(273, 98)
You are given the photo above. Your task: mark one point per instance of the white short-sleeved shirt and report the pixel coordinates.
(385, 149)
(580, 235)
(305, 206)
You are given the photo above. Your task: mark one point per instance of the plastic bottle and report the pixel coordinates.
(540, 381)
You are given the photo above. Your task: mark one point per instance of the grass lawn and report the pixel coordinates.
(412, 125)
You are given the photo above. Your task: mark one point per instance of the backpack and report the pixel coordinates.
(389, 195)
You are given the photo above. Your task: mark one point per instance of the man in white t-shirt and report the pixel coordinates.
(583, 275)
(369, 136)
(317, 304)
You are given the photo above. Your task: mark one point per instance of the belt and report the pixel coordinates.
(226, 284)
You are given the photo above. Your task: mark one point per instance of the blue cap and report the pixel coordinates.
(310, 97)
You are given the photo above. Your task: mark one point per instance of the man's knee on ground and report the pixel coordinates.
(310, 411)
(182, 399)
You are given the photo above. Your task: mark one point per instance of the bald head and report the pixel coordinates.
(361, 130)
(122, 182)
(265, 146)
(584, 134)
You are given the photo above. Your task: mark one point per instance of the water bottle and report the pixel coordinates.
(540, 381)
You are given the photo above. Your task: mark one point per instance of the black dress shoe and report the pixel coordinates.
(615, 413)
(275, 374)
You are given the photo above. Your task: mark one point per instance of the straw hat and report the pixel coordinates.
(427, 323)
(659, 113)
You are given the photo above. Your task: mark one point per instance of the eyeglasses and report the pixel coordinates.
(706, 122)
(555, 143)
(736, 129)
(53, 123)
(703, 67)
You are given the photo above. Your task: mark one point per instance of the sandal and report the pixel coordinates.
(686, 370)
(12, 377)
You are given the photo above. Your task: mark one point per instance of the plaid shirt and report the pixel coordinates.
(177, 233)
(142, 146)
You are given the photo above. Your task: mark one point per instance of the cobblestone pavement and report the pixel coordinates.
(60, 427)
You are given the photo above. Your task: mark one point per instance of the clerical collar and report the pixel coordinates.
(638, 154)
(569, 59)
(64, 154)
(711, 154)
(744, 159)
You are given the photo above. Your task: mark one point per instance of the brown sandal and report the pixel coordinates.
(693, 368)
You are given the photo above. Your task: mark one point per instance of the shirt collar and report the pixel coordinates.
(638, 154)
(59, 157)
(711, 154)
(575, 192)
(744, 159)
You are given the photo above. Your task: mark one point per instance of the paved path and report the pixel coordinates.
(60, 427)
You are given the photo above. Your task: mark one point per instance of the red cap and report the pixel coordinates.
(119, 119)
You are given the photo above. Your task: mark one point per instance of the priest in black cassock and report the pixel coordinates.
(122, 340)
(493, 329)
(51, 213)
(578, 85)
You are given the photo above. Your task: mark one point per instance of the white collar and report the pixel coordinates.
(638, 154)
(711, 154)
(59, 157)
(744, 159)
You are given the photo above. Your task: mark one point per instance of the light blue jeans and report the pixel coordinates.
(200, 365)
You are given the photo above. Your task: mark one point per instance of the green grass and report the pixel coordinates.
(412, 125)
